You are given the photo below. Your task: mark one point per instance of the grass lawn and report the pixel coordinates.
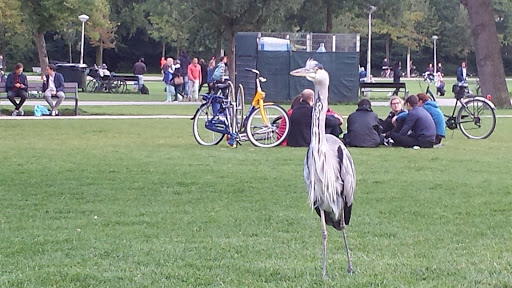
(137, 203)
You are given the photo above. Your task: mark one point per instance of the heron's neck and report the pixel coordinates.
(318, 117)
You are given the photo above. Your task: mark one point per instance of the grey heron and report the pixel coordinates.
(328, 168)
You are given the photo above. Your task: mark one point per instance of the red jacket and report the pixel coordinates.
(194, 72)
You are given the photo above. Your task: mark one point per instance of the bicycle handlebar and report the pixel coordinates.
(252, 70)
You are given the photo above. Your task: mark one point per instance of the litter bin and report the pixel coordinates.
(74, 73)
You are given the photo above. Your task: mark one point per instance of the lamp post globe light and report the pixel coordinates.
(82, 18)
(370, 10)
(435, 37)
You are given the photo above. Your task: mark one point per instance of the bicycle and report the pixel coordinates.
(223, 114)
(475, 118)
(108, 83)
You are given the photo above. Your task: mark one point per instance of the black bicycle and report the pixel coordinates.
(475, 118)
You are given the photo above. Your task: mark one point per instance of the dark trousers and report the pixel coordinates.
(408, 142)
(17, 93)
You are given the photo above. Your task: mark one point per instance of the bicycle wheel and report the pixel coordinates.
(203, 135)
(240, 107)
(477, 120)
(263, 134)
(116, 86)
(92, 86)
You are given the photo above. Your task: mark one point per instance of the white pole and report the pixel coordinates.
(435, 54)
(82, 18)
(368, 56)
(82, 45)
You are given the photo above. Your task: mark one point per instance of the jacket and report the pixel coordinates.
(9, 83)
(363, 129)
(299, 134)
(437, 116)
(58, 80)
(139, 68)
(167, 73)
(421, 125)
(460, 74)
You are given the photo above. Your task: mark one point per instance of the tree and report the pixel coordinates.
(50, 15)
(101, 30)
(487, 51)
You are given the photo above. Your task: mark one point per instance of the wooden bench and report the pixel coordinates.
(35, 91)
(370, 87)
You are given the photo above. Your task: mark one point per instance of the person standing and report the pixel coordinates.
(396, 76)
(184, 62)
(195, 75)
(139, 69)
(462, 73)
(204, 73)
(209, 77)
(168, 70)
(53, 85)
(220, 75)
(16, 85)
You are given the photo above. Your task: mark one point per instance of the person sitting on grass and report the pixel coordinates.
(363, 128)
(419, 128)
(436, 115)
(390, 124)
(53, 85)
(16, 85)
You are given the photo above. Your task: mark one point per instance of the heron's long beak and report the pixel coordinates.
(301, 72)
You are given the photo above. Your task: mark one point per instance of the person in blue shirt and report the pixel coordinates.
(436, 115)
(419, 128)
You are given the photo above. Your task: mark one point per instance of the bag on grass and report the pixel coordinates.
(144, 89)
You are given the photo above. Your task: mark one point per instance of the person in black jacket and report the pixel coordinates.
(16, 85)
(396, 75)
(300, 122)
(363, 129)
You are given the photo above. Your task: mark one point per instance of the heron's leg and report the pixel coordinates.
(324, 239)
(350, 269)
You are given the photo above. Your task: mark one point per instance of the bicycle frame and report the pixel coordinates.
(259, 99)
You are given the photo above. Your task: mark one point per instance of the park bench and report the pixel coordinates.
(378, 86)
(35, 91)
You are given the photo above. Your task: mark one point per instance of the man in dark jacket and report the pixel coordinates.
(184, 62)
(139, 69)
(363, 129)
(419, 128)
(16, 85)
(53, 85)
(300, 122)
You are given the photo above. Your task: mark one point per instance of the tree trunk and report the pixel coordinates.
(231, 53)
(328, 25)
(218, 47)
(388, 40)
(98, 56)
(41, 51)
(70, 53)
(163, 50)
(487, 51)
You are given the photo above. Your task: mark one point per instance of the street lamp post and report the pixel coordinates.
(369, 57)
(435, 53)
(82, 18)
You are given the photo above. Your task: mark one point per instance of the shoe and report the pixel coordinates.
(21, 112)
(53, 113)
(438, 145)
(232, 140)
(15, 113)
(389, 142)
(180, 98)
(415, 147)
(57, 112)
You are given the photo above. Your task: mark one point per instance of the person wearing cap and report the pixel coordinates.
(139, 69)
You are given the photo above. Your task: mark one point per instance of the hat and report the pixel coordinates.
(103, 66)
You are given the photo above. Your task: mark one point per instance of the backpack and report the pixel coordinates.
(144, 89)
(217, 74)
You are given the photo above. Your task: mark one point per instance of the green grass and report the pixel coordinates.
(137, 203)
